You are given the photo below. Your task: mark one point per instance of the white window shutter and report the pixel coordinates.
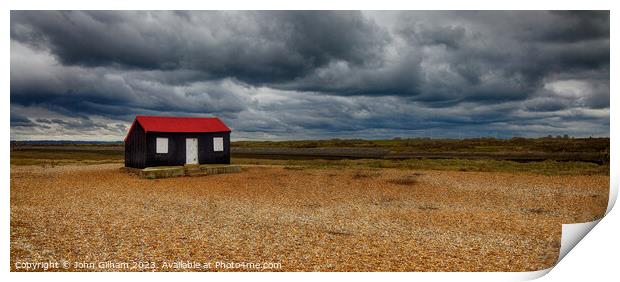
(161, 145)
(218, 144)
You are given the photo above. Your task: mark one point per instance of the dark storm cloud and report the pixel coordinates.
(78, 91)
(313, 74)
(449, 58)
(17, 120)
(254, 47)
(578, 26)
(81, 125)
(21, 122)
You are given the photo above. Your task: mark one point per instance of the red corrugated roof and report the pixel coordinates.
(180, 124)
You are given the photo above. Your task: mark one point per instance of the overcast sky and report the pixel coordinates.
(311, 75)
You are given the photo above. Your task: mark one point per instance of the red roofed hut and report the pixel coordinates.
(172, 141)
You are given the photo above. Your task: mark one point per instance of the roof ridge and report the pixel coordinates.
(137, 116)
(179, 124)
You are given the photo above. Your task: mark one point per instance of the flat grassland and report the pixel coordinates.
(310, 215)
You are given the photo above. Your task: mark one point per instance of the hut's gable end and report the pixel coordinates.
(135, 147)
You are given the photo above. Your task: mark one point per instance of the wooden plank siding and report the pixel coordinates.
(176, 148)
(135, 148)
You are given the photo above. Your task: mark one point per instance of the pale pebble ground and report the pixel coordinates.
(306, 219)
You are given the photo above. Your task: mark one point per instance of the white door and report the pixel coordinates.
(191, 151)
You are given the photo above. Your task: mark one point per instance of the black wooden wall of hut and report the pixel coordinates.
(176, 148)
(135, 148)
